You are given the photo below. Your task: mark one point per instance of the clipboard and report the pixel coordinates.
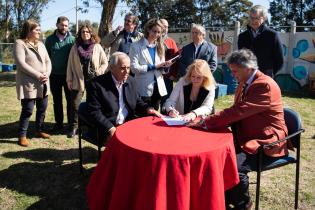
(173, 60)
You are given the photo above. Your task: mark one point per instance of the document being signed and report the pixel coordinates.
(174, 121)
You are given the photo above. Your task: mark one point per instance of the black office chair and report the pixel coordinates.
(294, 125)
(87, 131)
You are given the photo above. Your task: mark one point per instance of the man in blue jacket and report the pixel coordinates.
(263, 41)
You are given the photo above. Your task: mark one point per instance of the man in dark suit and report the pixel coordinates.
(112, 98)
(198, 49)
(256, 117)
(263, 41)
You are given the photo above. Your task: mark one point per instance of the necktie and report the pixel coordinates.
(244, 91)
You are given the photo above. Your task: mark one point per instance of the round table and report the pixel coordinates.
(148, 165)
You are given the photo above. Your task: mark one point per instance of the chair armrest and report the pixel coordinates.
(284, 139)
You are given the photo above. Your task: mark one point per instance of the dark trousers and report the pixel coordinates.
(238, 196)
(57, 82)
(26, 113)
(76, 97)
(169, 87)
(155, 100)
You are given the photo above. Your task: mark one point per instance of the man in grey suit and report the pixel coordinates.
(198, 49)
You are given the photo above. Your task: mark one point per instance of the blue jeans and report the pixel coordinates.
(26, 113)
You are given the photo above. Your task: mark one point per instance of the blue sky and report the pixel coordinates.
(67, 8)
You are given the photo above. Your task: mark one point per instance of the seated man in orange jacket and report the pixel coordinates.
(256, 117)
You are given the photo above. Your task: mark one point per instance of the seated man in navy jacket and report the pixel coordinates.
(112, 97)
(198, 49)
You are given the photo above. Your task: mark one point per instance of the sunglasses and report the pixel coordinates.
(156, 31)
(128, 21)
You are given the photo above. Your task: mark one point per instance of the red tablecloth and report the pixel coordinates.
(148, 165)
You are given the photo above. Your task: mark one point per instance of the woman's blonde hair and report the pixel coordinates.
(147, 27)
(202, 68)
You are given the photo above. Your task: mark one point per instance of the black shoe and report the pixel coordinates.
(58, 128)
(72, 133)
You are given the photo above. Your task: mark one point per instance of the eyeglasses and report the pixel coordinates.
(124, 68)
(128, 21)
(195, 32)
(254, 18)
(156, 31)
(83, 32)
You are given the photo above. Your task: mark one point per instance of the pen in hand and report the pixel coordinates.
(173, 112)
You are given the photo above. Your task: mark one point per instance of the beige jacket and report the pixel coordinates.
(31, 64)
(74, 69)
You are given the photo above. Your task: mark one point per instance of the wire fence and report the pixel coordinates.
(6, 53)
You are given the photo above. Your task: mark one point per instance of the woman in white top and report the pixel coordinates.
(148, 63)
(193, 94)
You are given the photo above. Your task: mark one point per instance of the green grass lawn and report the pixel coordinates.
(46, 174)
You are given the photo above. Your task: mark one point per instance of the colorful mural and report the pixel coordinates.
(295, 77)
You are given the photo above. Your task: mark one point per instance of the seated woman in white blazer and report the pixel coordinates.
(148, 63)
(193, 94)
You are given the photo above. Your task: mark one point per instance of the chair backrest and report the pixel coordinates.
(83, 114)
(293, 123)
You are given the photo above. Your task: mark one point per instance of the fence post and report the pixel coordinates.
(236, 33)
(291, 46)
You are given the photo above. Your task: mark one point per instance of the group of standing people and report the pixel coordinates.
(63, 63)
(76, 64)
(70, 63)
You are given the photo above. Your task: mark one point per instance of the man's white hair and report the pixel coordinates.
(114, 58)
(199, 28)
(243, 57)
(260, 10)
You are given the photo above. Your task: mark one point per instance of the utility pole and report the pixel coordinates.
(76, 17)
(301, 11)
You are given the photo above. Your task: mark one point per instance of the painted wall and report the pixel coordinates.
(299, 56)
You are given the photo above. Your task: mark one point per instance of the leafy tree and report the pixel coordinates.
(15, 12)
(238, 11)
(181, 14)
(300, 11)
(109, 7)
(176, 12)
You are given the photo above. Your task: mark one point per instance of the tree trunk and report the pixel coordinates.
(108, 12)
(7, 21)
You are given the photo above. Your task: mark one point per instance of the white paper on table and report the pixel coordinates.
(173, 121)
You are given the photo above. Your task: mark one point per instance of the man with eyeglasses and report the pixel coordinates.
(121, 38)
(198, 49)
(58, 46)
(112, 97)
(256, 119)
(263, 41)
